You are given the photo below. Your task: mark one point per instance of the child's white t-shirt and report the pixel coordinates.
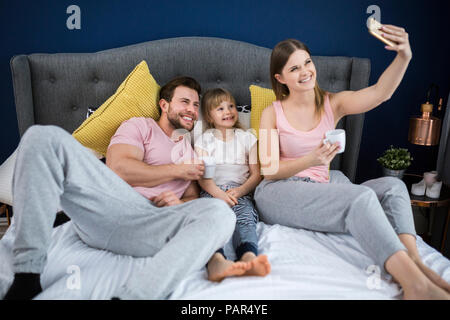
(232, 156)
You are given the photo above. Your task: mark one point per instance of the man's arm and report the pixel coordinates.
(191, 193)
(169, 198)
(127, 162)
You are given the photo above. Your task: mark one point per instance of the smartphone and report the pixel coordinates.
(374, 29)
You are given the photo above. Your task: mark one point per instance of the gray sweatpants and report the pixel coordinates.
(374, 213)
(54, 171)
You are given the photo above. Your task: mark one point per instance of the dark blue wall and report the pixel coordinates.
(328, 27)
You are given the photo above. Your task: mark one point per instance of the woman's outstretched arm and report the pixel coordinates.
(353, 102)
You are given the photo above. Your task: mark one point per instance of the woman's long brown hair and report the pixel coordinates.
(278, 59)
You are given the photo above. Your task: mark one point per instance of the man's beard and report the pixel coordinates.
(175, 121)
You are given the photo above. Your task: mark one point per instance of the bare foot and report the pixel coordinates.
(220, 268)
(433, 276)
(429, 291)
(260, 266)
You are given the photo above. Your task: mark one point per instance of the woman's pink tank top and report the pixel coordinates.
(295, 144)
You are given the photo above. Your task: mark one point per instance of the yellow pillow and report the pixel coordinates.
(137, 96)
(260, 99)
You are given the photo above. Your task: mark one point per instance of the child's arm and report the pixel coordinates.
(207, 184)
(191, 193)
(255, 176)
(210, 186)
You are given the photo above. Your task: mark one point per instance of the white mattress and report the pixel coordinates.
(305, 265)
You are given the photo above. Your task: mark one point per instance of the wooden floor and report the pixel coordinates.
(3, 223)
(2, 230)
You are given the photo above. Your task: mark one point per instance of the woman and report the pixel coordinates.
(298, 193)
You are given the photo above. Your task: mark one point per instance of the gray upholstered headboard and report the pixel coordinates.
(58, 88)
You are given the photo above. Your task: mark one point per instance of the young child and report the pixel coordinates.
(237, 175)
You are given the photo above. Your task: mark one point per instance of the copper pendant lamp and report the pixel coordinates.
(425, 129)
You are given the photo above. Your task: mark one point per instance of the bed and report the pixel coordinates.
(59, 88)
(305, 265)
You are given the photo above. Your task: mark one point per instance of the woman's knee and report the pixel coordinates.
(367, 195)
(388, 186)
(395, 185)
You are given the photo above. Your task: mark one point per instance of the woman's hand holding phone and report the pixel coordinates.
(395, 38)
(401, 37)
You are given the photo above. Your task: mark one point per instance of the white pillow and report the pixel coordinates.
(244, 118)
(6, 175)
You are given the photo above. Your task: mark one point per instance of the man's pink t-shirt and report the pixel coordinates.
(158, 148)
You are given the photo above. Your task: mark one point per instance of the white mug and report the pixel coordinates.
(430, 178)
(333, 136)
(210, 167)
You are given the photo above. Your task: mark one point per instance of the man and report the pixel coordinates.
(54, 171)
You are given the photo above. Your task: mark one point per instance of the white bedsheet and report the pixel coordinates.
(305, 265)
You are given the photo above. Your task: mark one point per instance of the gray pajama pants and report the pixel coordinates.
(54, 171)
(374, 213)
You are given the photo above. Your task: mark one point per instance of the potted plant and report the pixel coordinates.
(395, 161)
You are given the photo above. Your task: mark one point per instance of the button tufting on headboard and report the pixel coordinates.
(234, 65)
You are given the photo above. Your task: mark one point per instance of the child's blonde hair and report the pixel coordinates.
(212, 99)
